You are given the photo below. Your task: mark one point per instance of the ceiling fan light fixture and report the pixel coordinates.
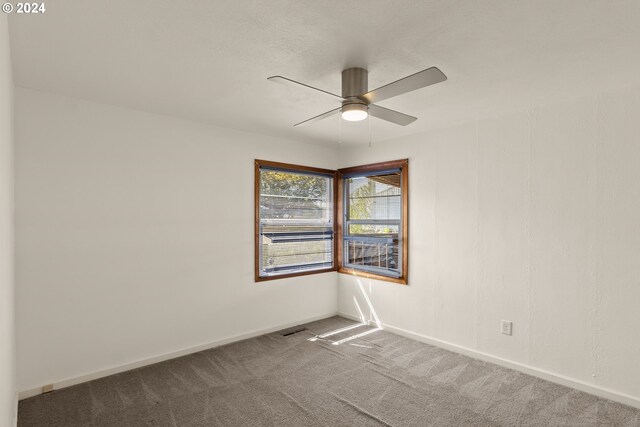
(355, 112)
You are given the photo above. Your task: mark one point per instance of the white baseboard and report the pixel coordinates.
(151, 360)
(530, 370)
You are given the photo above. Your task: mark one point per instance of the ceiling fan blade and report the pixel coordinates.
(391, 115)
(289, 82)
(320, 117)
(415, 81)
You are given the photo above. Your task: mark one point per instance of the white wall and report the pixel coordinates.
(532, 218)
(135, 237)
(7, 346)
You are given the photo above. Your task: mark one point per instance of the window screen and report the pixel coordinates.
(296, 221)
(373, 222)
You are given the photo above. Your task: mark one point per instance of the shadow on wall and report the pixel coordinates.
(373, 318)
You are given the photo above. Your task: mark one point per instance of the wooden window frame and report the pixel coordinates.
(256, 202)
(338, 210)
(403, 165)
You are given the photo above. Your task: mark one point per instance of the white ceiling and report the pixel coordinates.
(208, 60)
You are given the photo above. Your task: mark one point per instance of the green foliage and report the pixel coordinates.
(291, 195)
(289, 184)
(360, 203)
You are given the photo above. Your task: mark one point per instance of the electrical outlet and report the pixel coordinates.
(506, 327)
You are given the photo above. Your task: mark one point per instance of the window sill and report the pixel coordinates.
(358, 273)
(289, 275)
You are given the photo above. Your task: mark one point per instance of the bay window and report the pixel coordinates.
(310, 220)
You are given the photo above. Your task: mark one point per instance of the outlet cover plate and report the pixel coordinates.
(506, 327)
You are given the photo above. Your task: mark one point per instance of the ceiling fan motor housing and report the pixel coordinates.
(355, 82)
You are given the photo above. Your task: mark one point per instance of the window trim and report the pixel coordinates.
(403, 165)
(256, 203)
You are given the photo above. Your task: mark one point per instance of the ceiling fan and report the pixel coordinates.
(358, 101)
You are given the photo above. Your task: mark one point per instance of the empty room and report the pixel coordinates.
(320, 213)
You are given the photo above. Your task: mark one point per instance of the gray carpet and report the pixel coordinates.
(275, 380)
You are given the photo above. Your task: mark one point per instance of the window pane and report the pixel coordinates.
(375, 197)
(288, 195)
(284, 250)
(376, 255)
(296, 222)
